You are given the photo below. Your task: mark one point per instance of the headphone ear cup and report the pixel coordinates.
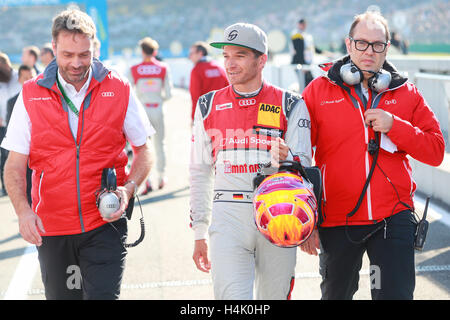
(380, 81)
(351, 74)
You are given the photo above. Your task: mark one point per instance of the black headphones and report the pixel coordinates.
(353, 75)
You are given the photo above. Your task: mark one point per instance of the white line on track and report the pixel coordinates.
(303, 275)
(24, 274)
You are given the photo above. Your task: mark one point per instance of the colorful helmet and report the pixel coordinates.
(285, 209)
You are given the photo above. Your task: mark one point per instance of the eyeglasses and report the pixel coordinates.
(362, 45)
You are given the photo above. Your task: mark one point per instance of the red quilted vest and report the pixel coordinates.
(67, 172)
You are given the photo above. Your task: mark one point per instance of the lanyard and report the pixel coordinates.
(69, 102)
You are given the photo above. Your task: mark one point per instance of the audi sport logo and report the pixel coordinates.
(247, 102)
(107, 94)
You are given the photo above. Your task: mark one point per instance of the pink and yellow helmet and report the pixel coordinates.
(285, 209)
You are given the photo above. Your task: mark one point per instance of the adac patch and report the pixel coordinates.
(269, 115)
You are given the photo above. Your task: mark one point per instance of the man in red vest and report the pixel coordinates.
(81, 115)
(207, 75)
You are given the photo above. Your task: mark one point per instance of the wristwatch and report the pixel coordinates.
(135, 186)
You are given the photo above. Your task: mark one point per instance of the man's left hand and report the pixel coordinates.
(124, 196)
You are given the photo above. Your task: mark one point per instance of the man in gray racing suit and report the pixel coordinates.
(232, 135)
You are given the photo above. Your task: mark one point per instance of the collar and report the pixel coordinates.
(244, 95)
(204, 59)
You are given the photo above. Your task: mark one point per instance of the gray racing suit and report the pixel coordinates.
(231, 140)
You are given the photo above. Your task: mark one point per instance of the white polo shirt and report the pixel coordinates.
(136, 126)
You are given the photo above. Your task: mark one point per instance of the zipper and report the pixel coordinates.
(77, 146)
(41, 177)
(80, 215)
(324, 196)
(323, 169)
(366, 162)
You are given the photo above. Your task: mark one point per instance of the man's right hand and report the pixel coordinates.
(16, 186)
(200, 256)
(29, 222)
(278, 152)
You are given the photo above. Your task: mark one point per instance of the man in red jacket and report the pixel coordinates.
(70, 123)
(206, 75)
(360, 97)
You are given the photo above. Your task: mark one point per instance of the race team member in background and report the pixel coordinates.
(46, 56)
(151, 79)
(9, 87)
(25, 73)
(82, 115)
(303, 50)
(206, 75)
(344, 119)
(232, 133)
(30, 56)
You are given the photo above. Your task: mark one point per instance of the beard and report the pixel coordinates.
(74, 76)
(5, 74)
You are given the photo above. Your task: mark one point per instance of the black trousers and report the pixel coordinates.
(390, 252)
(84, 266)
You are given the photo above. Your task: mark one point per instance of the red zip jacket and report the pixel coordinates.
(341, 139)
(206, 76)
(67, 172)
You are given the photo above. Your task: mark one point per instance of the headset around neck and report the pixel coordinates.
(352, 75)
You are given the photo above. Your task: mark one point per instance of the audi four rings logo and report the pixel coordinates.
(107, 94)
(304, 123)
(232, 35)
(393, 101)
(148, 70)
(247, 102)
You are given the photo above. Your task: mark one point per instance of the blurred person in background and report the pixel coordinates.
(206, 75)
(97, 47)
(46, 55)
(153, 84)
(9, 87)
(303, 47)
(25, 73)
(399, 43)
(30, 56)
